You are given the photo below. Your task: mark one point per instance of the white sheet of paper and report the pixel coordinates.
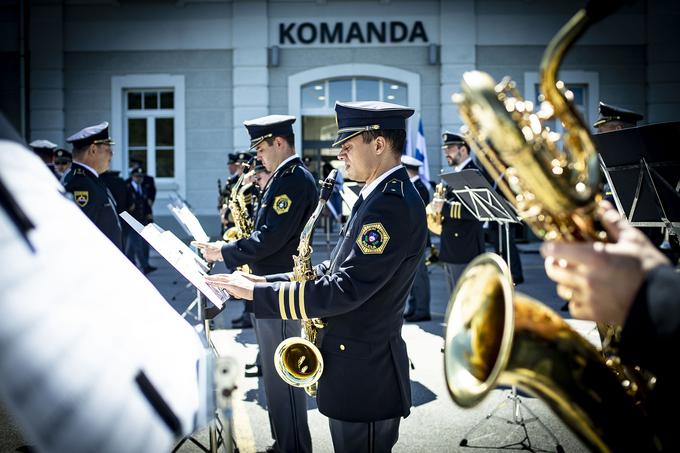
(78, 322)
(188, 220)
(179, 256)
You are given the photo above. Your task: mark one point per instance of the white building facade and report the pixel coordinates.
(176, 79)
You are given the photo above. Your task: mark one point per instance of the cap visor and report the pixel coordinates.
(342, 138)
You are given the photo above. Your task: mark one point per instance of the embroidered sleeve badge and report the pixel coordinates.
(373, 238)
(82, 197)
(282, 204)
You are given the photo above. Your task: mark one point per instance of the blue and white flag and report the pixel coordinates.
(420, 152)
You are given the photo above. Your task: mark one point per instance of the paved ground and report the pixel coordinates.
(436, 424)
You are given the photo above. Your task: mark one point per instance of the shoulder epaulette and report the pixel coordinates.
(289, 170)
(394, 186)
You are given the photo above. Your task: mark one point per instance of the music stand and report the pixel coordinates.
(480, 199)
(485, 204)
(642, 168)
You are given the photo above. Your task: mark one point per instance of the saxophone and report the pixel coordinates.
(238, 205)
(297, 359)
(434, 219)
(496, 337)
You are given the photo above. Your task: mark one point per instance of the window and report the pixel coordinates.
(148, 124)
(323, 94)
(583, 85)
(150, 131)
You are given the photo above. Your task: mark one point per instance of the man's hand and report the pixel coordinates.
(211, 251)
(251, 277)
(601, 280)
(249, 177)
(235, 284)
(437, 204)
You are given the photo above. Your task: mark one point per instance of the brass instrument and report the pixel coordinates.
(238, 206)
(297, 359)
(434, 219)
(493, 337)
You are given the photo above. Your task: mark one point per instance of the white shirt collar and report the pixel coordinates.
(414, 178)
(462, 165)
(366, 191)
(88, 167)
(285, 161)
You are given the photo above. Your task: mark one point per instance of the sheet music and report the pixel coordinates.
(78, 322)
(179, 256)
(188, 220)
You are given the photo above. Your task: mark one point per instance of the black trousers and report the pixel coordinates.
(366, 437)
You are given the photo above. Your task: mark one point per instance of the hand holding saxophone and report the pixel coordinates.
(211, 251)
(238, 284)
(438, 204)
(600, 280)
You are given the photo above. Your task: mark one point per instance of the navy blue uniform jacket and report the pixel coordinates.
(287, 203)
(462, 237)
(91, 194)
(360, 293)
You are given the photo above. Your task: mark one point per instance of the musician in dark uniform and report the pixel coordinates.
(45, 150)
(628, 283)
(62, 162)
(462, 237)
(234, 172)
(418, 305)
(141, 208)
(148, 183)
(288, 201)
(361, 291)
(92, 156)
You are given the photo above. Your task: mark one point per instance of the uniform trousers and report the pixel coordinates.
(364, 437)
(453, 272)
(286, 405)
(419, 297)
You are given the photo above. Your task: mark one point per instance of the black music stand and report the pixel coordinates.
(475, 193)
(478, 197)
(642, 167)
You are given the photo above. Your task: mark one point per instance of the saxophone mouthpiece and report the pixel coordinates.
(328, 185)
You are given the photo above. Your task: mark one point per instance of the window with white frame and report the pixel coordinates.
(322, 94)
(150, 130)
(148, 124)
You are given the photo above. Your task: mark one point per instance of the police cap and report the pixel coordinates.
(449, 138)
(42, 144)
(97, 134)
(613, 113)
(61, 156)
(268, 127)
(357, 117)
(411, 162)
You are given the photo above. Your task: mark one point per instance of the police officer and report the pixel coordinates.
(141, 208)
(613, 118)
(289, 199)
(462, 236)
(62, 162)
(45, 150)
(362, 289)
(148, 182)
(418, 306)
(92, 156)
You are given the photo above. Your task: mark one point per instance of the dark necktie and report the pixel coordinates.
(355, 208)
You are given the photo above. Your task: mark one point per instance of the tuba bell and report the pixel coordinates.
(495, 336)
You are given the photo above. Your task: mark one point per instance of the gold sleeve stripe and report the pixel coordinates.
(291, 300)
(282, 305)
(458, 210)
(453, 205)
(301, 299)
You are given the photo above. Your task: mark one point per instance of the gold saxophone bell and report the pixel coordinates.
(299, 363)
(231, 235)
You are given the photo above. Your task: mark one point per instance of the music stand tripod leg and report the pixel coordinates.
(479, 424)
